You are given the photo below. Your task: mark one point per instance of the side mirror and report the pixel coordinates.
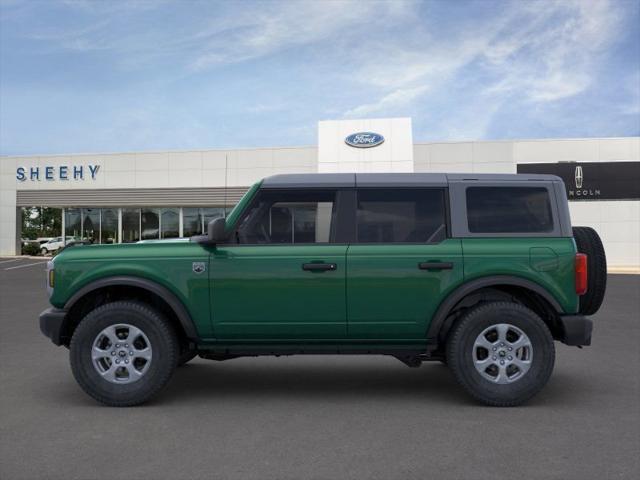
(216, 230)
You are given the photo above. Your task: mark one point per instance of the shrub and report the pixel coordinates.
(31, 249)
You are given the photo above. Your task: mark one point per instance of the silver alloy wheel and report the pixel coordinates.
(502, 353)
(121, 353)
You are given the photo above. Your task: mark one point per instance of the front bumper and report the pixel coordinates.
(575, 330)
(52, 324)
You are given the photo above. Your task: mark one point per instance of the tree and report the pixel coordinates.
(41, 222)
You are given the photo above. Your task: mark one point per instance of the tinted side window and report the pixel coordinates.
(401, 215)
(287, 217)
(509, 209)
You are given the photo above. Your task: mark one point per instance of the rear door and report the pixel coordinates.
(285, 277)
(402, 262)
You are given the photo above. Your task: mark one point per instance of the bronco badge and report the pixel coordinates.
(199, 267)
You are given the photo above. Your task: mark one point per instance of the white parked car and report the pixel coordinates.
(54, 244)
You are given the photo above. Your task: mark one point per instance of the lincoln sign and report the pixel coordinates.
(593, 180)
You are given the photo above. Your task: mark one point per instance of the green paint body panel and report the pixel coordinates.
(262, 291)
(166, 263)
(548, 262)
(376, 295)
(389, 297)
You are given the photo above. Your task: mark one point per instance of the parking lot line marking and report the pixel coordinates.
(22, 266)
(9, 261)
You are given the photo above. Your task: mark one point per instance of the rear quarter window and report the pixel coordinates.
(509, 210)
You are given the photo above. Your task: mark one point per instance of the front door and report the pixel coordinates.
(284, 275)
(402, 263)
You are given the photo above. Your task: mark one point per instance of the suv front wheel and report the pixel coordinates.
(502, 353)
(123, 353)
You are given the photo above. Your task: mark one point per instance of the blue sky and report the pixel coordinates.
(90, 76)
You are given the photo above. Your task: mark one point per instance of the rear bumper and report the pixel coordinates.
(575, 330)
(51, 324)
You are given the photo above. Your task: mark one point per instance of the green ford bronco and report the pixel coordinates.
(481, 272)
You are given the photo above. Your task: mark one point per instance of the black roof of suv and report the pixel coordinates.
(310, 180)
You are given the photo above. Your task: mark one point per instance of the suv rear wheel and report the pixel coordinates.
(123, 353)
(502, 353)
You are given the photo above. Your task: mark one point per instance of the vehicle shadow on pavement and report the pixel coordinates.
(431, 383)
(206, 382)
(201, 380)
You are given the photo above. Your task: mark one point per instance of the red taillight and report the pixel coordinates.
(581, 273)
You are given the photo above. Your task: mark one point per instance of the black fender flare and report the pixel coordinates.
(164, 293)
(439, 318)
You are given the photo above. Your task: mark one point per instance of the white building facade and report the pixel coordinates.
(126, 197)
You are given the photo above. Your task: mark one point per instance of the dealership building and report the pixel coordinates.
(126, 197)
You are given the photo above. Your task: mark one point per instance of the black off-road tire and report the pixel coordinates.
(588, 242)
(460, 347)
(163, 342)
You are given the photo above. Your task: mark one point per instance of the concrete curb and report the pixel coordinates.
(624, 270)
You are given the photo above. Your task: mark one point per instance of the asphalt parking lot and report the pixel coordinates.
(317, 417)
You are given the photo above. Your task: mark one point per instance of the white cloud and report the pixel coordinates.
(285, 25)
(631, 106)
(217, 34)
(538, 51)
(259, 108)
(398, 98)
(457, 73)
(553, 55)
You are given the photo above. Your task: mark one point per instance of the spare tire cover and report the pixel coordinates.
(588, 242)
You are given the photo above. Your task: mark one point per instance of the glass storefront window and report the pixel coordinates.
(101, 225)
(170, 223)
(109, 226)
(209, 214)
(72, 223)
(91, 224)
(191, 222)
(39, 222)
(150, 220)
(130, 225)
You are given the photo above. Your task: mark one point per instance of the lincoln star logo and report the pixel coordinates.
(581, 191)
(364, 140)
(579, 177)
(199, 267)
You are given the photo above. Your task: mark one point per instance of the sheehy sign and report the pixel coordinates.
(593, 180)
(60, 172)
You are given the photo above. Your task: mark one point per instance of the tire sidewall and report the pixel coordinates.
(460, 353)
(588, 242)
(163, 350)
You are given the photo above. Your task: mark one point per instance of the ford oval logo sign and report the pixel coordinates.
(364, 139)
